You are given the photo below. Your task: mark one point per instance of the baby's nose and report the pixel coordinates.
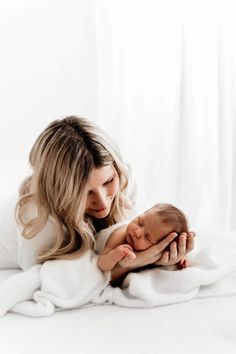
(138, 233)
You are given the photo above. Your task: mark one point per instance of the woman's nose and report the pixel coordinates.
(100, 200)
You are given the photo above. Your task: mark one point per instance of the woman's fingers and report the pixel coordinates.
(160, 246)
(177, 250)
(160, 255)
(182, 245)
(190, 241)
(164, 259)
(173, 253)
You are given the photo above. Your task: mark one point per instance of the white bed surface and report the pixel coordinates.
(197, 326)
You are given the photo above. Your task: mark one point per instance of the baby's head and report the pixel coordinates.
(154, 225)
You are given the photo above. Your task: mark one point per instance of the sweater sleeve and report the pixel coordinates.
(29, 249)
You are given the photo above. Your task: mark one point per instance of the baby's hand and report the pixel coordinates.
(108, 261)
(129, 255)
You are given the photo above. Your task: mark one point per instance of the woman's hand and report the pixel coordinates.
(152, 254)
(177, 249)
(148, 256)
(157, 254)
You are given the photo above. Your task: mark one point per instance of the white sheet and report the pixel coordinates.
(205, 325)
(200, 326)
(72, 284)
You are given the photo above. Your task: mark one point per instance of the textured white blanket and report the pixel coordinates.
(66, 284)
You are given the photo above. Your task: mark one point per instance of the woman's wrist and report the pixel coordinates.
(119, 272)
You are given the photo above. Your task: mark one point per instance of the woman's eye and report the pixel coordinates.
(109, 181)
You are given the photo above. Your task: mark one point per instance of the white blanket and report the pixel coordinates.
(66, 284)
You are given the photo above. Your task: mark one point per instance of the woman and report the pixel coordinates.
(79, 186)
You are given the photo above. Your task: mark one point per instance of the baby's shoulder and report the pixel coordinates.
(117, 237)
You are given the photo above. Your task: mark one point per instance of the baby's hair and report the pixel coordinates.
(171, 215)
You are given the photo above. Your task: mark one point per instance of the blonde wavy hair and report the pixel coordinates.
(62, 159)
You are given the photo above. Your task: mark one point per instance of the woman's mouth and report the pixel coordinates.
(99, 210)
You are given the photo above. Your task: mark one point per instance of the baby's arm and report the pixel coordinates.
(115, 250)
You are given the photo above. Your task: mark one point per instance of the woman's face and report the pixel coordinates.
(103, 185)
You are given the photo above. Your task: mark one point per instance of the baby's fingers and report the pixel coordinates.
(127, 246)
(128, 259)
(131, 255)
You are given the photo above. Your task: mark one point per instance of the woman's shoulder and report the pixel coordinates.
(30, 248)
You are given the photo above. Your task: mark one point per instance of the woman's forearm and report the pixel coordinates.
(119, 272)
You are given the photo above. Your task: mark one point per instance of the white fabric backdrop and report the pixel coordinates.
(159, 76)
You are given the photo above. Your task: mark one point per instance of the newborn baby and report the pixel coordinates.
(141, 233)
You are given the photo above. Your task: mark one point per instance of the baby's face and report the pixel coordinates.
(146, 230)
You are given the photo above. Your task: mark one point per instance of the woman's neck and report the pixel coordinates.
(100, 224)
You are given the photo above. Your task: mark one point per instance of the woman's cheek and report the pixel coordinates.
(115, 188)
